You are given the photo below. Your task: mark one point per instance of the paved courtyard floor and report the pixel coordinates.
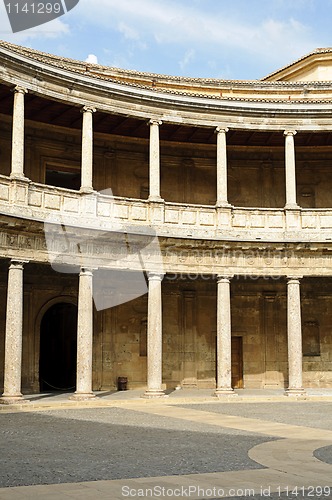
(189, 445)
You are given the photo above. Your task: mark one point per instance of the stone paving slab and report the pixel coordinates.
(98, 444)
(286, 454)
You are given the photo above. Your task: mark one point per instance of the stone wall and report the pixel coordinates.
(189, 331)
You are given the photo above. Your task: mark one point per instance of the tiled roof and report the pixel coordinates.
(163, 83)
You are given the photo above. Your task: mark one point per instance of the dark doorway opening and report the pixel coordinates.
(237, 363)
(58, 344)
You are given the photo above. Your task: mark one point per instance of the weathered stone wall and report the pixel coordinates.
(189, 331)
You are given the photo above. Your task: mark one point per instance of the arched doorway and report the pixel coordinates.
(58, 342)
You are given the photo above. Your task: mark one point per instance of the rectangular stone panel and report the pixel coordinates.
(275, 221)
(239, 220)
(309, 221)
(35, 198)
(104, 209)
(326, 221)
(120, 211)
(4, 192)
(139, 213)
(257, 220)
(188, 217)
(172, 216)
(71, 205)
(20, 194)
(52, 201)
(206, 218)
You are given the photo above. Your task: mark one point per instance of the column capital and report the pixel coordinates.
(155, 121)
(154, 276)
(294, 280)
(288, 133)
(221, 278)
(17, 264)
(19, 90)
(220, 130)
(87, 271)
(88, 109)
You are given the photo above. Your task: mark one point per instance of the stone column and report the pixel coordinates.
(222, 196)
(294, 332)
(154, 165)
(154, 358)
(224, 338)
(87, 150)
(17, 166)
(84, 337)
(290, 169)
(13, 336)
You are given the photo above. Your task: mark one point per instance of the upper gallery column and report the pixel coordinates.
(154, 338)
(294, 335)
(224, 338)
(154, 164)
(222, 196)
(84, 337)
(87, 149)
(17, 167)
(290, 169)
(13, 335)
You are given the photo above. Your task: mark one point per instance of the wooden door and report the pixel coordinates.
(237, 363)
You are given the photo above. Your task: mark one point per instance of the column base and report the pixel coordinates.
(87, 190)
(292, 206)
(153, 394)
(220, 392)
(223, 204)
(295, 392)
(156, 199)
(17, 177)
(82, 396)
(13, 400)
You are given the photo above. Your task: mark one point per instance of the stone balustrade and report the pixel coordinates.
(100, 211)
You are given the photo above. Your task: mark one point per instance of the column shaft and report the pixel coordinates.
(294, 332)
(222, 196)
(17, 165)
(154, 338)
(87, 150)
(84, 337)
(224, 338)
(290, 169)
(13, 335)
(154, 164)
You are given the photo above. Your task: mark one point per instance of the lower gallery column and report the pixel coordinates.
(154, 358)
(84, 337)
(294, 332)
(224, 338)
(13, 340)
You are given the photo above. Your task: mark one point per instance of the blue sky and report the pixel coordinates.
(231, 39)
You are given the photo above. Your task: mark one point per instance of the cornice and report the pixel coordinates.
(61, 82)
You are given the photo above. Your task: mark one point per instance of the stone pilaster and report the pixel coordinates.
(290, 170)
(154, 338)
(294, 333)
(13, 336)
(224, 338)
(84, 337)
(17, 160)
(87, 150)
(154, 164)
(222, 195)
